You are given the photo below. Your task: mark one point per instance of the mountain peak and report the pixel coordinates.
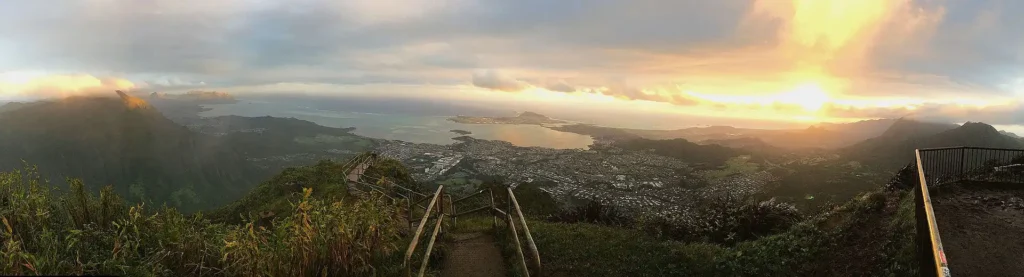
(132, 102)
(532, 114)
(904, 128)
(979, 128)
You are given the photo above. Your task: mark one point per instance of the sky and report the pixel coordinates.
(783, 60)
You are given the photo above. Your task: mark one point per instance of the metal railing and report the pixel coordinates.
(940, 166)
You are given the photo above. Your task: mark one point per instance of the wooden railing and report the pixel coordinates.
(439, 215)
(442, 207)
(510, 220)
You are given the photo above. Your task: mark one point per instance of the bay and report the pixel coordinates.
(405, 127)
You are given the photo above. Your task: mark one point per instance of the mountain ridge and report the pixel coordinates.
(896, 147)
(124, 142)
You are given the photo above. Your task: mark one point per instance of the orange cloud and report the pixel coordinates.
(844, 37)
(35, 86)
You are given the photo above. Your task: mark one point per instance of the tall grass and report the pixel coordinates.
(76, 232)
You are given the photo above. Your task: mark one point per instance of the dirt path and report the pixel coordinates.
(981, 229)
(472, 255)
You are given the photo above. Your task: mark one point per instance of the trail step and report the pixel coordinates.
(474, 255)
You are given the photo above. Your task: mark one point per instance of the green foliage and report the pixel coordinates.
(318, 239)
(45, 232)
(388, 170)
(723, 219)
(584, 249)
(594, 212)
(275, 197)
(738, 165)
(534, 201)
(872, 235)
(184, 197)
(105, 142)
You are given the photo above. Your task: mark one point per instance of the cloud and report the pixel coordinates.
(560, 86)
(22, 86)
(654, 50)
(1004, 113)
(492, 79)
(626, 92)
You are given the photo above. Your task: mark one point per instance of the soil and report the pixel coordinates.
(981, 226)
(474, 254)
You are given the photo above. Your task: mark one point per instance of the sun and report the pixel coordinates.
(809, 97)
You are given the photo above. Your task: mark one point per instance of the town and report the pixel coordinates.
(631, 180)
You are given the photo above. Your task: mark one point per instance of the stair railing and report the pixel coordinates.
(433, 210)
(510, 220)
(437, 211)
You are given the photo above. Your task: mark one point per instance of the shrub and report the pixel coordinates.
(724, 219)
(593, 212)
(77, 232)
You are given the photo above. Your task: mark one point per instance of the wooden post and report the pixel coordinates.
(519, 247)
(430, 246)
(494, 217)
(419, 231)
(408, 211)
(526, 229)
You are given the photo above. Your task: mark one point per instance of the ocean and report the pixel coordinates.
(432, 129)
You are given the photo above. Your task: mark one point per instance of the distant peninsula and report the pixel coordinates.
(525, 118)
(201, 97)
(462, 132)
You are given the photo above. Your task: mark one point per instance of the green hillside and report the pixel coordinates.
(713, 155)
(127, 144)
(872, 235)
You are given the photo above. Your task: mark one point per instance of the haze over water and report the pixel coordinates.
(412, 128)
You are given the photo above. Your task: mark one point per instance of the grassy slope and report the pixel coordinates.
(277, 196)
(869, 236)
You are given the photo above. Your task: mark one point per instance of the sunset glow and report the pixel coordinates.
(31, 84)
(797, 60)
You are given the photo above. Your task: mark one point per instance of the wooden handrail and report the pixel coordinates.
(506, 216)
(419, 231)
(467, 197)
(471, 211)
(526, 229)
(519, 247)
(430, 246)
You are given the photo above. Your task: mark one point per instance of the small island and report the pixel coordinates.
(525, 118)
(462, 132)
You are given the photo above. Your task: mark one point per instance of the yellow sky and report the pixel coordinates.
(810, 69)
(823, 50)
